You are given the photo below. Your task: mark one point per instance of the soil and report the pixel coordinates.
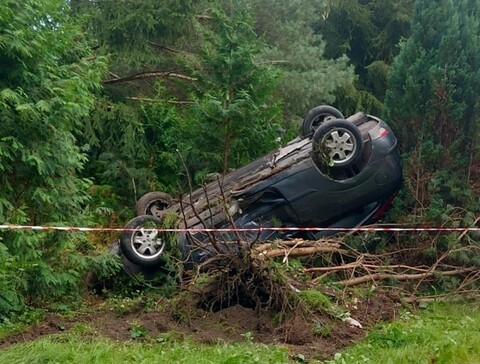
(233, 324)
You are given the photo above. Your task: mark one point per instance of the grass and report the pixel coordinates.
(442, 333)
(72, 348)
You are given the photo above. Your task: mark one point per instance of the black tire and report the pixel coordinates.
(143, 247)
(336, 144)
(144, 275)
(153, 203)
(317, 116)
(128, 267)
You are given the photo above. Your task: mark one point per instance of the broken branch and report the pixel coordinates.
(146, 99)
(401, 277)
(151, 74)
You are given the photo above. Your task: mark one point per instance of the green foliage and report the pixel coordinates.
(368, 32)
(248, 336)
(137, 331)
(432, 101)
(231, 119)
(434, 85)
(47, 86)
(321, 329)
(135, 34)
(316, 300)
(213, 113)
(125, 139)
(308, 77)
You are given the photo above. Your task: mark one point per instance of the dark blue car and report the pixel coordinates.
(342, 172)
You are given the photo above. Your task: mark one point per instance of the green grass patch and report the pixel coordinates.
(73, 348)
(442, 333)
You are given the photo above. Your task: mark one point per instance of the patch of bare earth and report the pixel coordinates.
(315, 337)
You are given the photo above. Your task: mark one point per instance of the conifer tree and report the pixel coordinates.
(308, 76)
(433, 99)
(368, 32)
(47, 82)
(229, 115)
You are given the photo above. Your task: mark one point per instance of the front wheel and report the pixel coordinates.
(337, 144)
(143, 244)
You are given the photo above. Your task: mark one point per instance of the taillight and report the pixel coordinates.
(380, 133)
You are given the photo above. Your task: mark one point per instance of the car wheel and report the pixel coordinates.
(143, 244)
(336, 144)
(153, 203)
(317, 116)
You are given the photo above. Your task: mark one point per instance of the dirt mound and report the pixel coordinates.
(318, 336)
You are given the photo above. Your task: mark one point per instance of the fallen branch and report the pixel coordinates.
(294, 243)
(360, 265)
(401, 277)
(298, 252)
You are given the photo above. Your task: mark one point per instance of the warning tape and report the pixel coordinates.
(259, 229)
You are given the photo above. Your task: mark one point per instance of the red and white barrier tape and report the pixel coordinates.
(259, 229)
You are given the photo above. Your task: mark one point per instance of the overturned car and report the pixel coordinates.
(341, 172)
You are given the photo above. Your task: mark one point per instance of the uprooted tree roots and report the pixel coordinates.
(242, 278)
(259, 277)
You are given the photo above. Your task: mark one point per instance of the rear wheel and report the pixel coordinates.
(336, 144)
(317, 116)
(153, 203)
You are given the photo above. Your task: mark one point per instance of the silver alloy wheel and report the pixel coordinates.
(340, 145)
(147, 243)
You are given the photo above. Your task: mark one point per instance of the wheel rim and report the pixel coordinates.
(340, 145)
(147, 243)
